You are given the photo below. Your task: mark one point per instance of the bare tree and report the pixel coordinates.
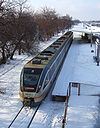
(1, 2)
(17, 31)
(47, 23)
(20, 29)
(50, 23)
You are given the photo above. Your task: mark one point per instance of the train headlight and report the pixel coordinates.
(39, 87)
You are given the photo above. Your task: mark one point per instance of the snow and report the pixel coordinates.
(10, 102)
(50, 115)
(82, 113)
(86, 28)
(79, 66)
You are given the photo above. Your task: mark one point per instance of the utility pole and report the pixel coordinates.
(91, 36)
(98, 51)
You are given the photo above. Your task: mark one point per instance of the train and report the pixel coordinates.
(38, 74)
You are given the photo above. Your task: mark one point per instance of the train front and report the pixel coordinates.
(29, 88)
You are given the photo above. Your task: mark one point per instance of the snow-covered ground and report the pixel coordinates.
(9, 84)
(83, 110)
(79, 66)
(86, 28)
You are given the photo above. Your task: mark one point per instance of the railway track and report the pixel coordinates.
(16, 116)
(24, 117)
(13, 66)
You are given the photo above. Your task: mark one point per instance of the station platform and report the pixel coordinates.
(79, 66)
(65, 74)
(84, 109)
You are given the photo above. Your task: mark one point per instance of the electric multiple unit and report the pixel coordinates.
(39, 73)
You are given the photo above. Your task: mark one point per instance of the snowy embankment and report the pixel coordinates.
(9, 84)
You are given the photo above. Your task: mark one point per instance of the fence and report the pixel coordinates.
(77, 85)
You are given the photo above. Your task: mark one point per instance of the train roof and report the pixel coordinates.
(43, 58)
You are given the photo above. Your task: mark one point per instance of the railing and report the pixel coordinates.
(77, 85)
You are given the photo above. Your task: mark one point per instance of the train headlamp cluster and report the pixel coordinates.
(39, 87)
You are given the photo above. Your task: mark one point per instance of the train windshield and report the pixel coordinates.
(31, 78)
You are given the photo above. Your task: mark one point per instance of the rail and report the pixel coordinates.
(31, 119)
(15, 117)
(33, 116)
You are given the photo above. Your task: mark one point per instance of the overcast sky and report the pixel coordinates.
(78, 9)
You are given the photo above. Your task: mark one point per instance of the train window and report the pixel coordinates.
(50, 50)
(31, 77)
(32, 70)
(21, 77)
(47, 54)
(21, 80)
(55, 46)
(46, 81)
(56, 43)
(42, 58)
(36, 62)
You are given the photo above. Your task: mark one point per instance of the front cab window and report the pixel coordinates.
(30, 78)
